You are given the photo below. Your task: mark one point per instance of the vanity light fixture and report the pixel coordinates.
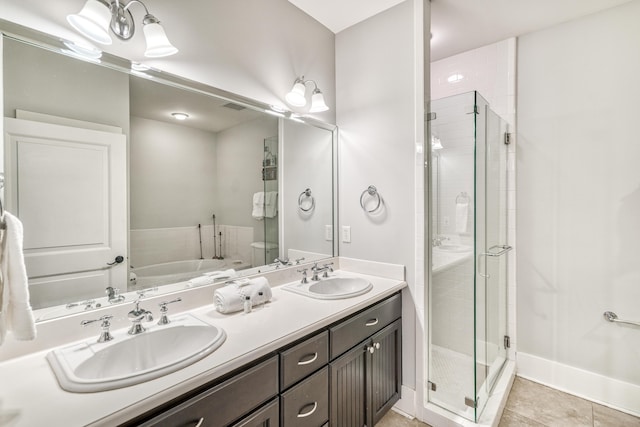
(97, 17)
(298, 96)
(180, 116)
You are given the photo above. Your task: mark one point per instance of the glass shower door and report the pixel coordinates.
(491, 250)
(467, 280)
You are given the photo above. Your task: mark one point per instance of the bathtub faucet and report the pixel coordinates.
(137, 315)
(281, 262)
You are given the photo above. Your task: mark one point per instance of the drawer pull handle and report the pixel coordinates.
(314, 357)
(372, 322)
(306, 414)
(200, 421)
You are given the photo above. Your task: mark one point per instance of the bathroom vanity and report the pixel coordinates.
(297, 361)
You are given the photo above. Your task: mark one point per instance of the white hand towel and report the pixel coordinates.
(225, 274)
(230, 298)
(200, 281)
(258, 205)
(16, 314)
(271, 204)
(462, 217)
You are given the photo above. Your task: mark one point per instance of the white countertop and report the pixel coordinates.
(30, 394)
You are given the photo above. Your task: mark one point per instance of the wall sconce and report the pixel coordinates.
(98, 16)
(298, 96)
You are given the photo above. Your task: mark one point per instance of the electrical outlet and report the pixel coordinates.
(328, 232)
(346, 234)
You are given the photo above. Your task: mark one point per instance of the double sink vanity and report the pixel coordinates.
(325, 352)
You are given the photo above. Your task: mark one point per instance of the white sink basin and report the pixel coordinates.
(332, 288)
(131, 359)
(454, 248)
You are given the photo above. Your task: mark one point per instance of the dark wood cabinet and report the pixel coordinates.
(366, 380)
(344, 375)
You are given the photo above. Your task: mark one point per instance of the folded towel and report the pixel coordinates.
(271, 204)
(16, 314)
(230, 298)
(200, 281)
(462, 217)
(258, 205)
(222, 274)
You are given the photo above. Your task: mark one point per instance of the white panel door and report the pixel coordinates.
(68, 187)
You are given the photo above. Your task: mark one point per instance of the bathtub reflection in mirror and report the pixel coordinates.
(181, 208)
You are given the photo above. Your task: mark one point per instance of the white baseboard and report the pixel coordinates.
(598, 388)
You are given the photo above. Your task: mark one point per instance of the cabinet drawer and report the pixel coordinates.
(226, 402)
(352, 331)
(303, 359)
(307, 404)
(267, 416)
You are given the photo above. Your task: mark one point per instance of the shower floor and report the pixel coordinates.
(453, 373)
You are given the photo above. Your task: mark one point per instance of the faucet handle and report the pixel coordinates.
(164, 320)
(327, 268)
(304, 275)
(298, 260)
(105, 335)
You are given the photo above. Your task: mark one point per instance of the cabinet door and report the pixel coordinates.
(348, 388)
(386, 369)
(267, 416)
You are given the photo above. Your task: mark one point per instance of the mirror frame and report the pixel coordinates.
(19, 33)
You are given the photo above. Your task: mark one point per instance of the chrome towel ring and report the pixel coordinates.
(372, 191)
(306, 194)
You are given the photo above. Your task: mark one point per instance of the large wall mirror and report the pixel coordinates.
(118, 197)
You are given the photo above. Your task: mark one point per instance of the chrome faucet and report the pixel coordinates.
(113, 295)
(278, 262)
(437, 241)
(324, 269)
(137, 315)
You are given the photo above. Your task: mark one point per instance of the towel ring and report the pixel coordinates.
(462, 197)
(372, 191)
(306, 194)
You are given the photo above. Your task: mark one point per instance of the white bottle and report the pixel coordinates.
(247, 304)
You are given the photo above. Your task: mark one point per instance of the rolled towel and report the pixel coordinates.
(222, 274)
(201, 281)
(230, 298)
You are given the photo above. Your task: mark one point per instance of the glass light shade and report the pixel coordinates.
(158, 44)
(296, 96)
(317, 102)
(93, 21)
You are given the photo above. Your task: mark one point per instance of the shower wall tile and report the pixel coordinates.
(160, 245)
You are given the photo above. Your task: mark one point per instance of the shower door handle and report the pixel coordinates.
(503, 249)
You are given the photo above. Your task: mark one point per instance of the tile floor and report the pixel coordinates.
(533, 405)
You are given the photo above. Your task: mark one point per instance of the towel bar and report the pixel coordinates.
(612, 317)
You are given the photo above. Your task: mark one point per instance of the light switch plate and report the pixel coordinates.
(346, 234)
(328, 232)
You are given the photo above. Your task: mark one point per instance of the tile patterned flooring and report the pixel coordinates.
(533, 405)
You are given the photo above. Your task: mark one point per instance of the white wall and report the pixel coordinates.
(45, 82)
(379, 92)
(173, 175)
(307, 163)
(578, 200)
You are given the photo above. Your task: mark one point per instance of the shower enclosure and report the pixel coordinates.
(467, 253)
